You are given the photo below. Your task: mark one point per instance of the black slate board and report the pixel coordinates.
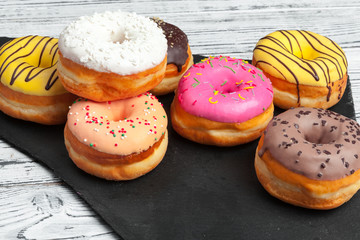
(197, 191)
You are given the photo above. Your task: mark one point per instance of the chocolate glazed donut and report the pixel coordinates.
(177, 43)
(310, 157)
(179, 57)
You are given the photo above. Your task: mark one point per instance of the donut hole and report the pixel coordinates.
(117, 37)
(226, 88)
(119, 117)
(323, 136)
(121, 113)
(305, 53)
(46, 60)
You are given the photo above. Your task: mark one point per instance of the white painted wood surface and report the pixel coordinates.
(35, 204)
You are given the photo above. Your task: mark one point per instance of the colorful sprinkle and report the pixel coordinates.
(223, 83)
(230, 69)
(187, 75)
(260, 75)
(210, 100)
(195, 84)
(211, 63)
(238, 83)
(248, 88)
(241, 97)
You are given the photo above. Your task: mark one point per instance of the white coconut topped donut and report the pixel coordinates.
(119, 42)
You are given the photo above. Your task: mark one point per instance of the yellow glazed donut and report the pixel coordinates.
(306, 69)
(29, 88)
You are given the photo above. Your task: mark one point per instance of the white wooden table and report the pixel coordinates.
(34, 203)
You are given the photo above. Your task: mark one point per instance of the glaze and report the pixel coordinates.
(119, 127)
(28, 65)
(316, 143)
(225, 89)
(116, 42)
(301, 57)
(177, 42)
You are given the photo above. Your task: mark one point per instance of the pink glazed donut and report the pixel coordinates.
(222, 101)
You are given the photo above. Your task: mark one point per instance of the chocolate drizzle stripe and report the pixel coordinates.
(282, 63)
(302, 60)
(257, 62)
(54, 47)
(342, 55)
(302, 56)
(28, 77)
(282, 32)
(2, 69)
(336, 65)
(15, 41)
(53, 57)
(276, 41)
(313, 74)
(14, 75)
(50, 83)
(42, 51)
(327, 77)
(344, 59)
(34, 71)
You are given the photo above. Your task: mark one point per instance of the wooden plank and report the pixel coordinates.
(48, 211)
(18, 169)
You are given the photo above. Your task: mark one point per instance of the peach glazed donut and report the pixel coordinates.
(305, 68)
(29, 88)
(222, 101)
(111, 56)
(309, 157)
(179, 57)
(119, 140)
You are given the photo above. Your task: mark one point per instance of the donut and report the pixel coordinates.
(222, 101)
(29, 88)
(179, 57)
(117, 140)
(111, 56)
(305, 68)
(309, 157)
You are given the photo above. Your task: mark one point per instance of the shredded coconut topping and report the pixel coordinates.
(119, 42)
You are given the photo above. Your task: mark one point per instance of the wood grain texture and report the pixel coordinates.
(35, 204)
